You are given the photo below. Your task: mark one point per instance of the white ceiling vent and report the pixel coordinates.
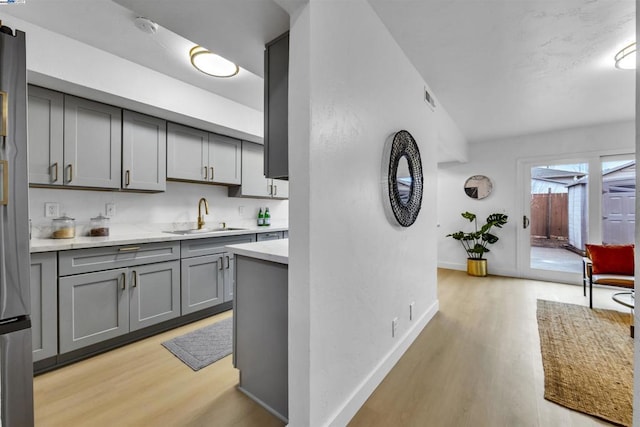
(429, 99)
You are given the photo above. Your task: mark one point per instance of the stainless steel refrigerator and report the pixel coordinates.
(16, 360)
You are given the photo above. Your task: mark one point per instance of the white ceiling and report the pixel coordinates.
(499, 67)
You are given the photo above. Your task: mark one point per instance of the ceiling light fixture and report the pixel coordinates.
(626, 58)
(211, 63)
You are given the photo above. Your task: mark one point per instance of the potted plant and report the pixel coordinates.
(476, 243)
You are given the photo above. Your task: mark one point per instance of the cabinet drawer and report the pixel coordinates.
(96, 259)
(274, 235)
(212, 245)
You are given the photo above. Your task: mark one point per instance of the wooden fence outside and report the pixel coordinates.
(550, 216)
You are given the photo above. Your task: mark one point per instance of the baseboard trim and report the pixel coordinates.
(355, 401)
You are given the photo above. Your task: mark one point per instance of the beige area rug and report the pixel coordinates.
(587, 357)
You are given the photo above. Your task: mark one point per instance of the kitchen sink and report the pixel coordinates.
(203, 230)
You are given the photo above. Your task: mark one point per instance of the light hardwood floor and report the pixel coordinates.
(477, 363)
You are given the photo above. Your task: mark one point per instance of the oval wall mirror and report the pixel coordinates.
(478, 187)
(403, 179)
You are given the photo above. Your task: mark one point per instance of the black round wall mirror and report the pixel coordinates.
(402, 168)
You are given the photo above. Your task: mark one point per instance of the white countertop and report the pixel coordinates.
(269, 250)
(136, 235)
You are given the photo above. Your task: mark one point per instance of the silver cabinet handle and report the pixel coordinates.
(525, 221)
(129, 249)
(124, 281)
(70, 169)
(206, 173)
(228, 261)
(127, 178)
(270, 189)
(211, 173)
(220, 261)
(135, 279)
(55, 168)
(275, 190)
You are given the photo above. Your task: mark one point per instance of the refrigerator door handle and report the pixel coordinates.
(5, 113)
(5, 182)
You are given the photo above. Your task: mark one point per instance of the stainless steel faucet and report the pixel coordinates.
(206, 210)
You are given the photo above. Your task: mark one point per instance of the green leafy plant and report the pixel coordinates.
(475, 243)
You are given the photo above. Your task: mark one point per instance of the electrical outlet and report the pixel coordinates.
(51, 210)
(394, 327)
(110, 210)
(412, 306)
(241, 210)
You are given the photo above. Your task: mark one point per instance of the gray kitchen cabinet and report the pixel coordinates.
(208, 271)
(202, 282)
(44, 305)
(154, 294)
(254, 183)
(92, 143)
(196, 155)
(45, 135)
(185, 152)
(101, 305)
(225, 159)
(92, 307)
(276, 107)
(144, 152)
(110, 291)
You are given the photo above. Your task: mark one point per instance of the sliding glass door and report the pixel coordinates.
(568, 203)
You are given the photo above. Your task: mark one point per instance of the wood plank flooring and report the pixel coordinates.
(477, 363)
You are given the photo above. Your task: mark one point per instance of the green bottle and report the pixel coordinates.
(267, 217)
(260, 218)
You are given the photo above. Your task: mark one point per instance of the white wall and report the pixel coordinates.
(498, 160)
(179, 204)
(350, 270)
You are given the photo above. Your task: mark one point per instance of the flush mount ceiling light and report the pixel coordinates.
(626, 58)
(211, 63)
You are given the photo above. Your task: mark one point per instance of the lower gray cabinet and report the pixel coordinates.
(208, 271)
(202, 282)
(94, 307)
(44, 307)
(155, 294)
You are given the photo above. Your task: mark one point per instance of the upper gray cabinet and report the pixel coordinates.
(73, 141)
(144, 152)
(276, 107)
(92, 143)
(196, 155)
(254, 183)
(45, 118)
